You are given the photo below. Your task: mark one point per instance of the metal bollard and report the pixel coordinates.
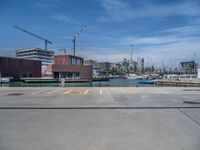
(62, 82)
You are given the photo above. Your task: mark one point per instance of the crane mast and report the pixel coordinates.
(74, 39)
(46, 42)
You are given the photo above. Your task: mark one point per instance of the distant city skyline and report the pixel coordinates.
(165, 31)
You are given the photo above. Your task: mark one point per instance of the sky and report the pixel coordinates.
(164, 32)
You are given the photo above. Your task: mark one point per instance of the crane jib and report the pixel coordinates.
(35, 35)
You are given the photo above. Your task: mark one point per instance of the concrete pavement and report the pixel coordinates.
(113, 118)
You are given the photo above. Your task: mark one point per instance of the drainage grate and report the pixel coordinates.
(15, 94)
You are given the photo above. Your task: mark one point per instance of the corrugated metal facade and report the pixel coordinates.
(66, 59)
(17, 68)
(85, 71)
(64, 64)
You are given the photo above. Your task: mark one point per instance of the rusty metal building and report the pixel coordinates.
(18, 68)
(70, 67)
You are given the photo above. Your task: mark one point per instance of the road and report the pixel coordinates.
(99, 118)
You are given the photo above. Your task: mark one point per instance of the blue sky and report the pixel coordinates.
(165, 31)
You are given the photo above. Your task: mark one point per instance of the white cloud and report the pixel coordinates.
(60, 17)
(195, 21)
(171, 54)
(107, 58)
(170, 49)
(115, 9)
(148, 40)
(173, 35)
(185, 30)
(122, 9)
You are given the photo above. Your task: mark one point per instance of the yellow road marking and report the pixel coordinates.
(77, 91)
(67, 92)
(86, 91)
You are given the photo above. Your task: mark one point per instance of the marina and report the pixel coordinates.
(100, 75)
(115, 82)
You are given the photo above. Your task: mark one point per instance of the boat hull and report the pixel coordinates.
(4, 80)
(146, 82)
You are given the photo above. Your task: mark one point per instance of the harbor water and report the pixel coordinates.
(116, 82)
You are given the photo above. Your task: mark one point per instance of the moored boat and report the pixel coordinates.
(4, 80)
(146, 82)
(134, 76)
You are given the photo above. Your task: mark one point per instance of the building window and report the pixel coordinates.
(78, 62)
(73, 61)
(76, 75)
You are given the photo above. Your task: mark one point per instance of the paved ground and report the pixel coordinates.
(99, 118)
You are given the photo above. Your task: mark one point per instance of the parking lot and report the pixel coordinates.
(99, 118)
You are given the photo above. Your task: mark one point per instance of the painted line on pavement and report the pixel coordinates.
(101, 91)
(67, 92)
(52, 91)
(86, 91)
(38, 92)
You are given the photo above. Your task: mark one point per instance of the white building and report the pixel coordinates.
(45, 56)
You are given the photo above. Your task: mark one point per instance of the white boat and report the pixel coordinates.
(4, 80)
(133, 76)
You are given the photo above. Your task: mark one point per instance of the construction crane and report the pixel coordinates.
(65, 50)
(74, 39)
(37, 36)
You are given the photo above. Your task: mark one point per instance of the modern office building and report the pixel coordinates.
(19, 68)
(70, 67)
(140, 65)
(189, 67)
(102, 69)
(45, 56)
(90, 62)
